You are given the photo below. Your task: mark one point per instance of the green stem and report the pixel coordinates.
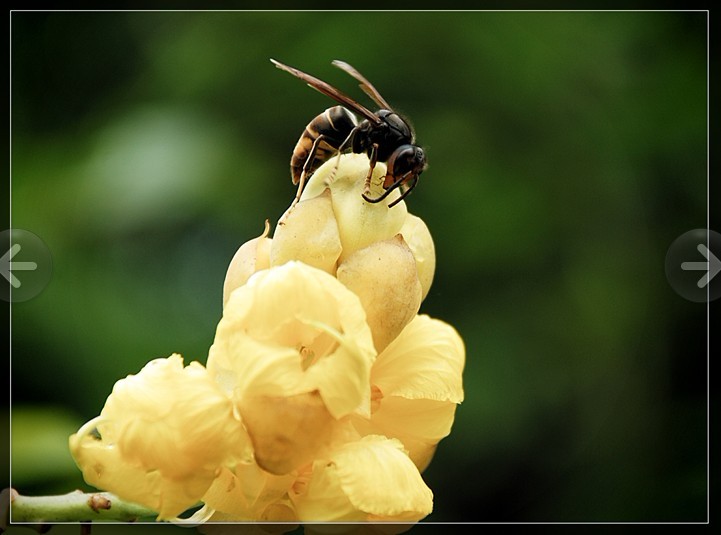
(75, 506)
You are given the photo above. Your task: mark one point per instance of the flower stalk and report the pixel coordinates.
(74, 506)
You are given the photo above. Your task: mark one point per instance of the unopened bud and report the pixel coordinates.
(252, 256)
(360, 223)
(384, 277)
(308, 232)
(416, 234)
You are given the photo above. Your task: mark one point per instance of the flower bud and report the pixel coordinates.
(416, 234)
(308, 232)
(360, 223)
(252, 256)
(385, 278)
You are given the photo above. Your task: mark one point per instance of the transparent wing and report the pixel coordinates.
(365, 85)
(329, 90)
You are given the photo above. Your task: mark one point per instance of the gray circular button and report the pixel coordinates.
(25, 265)
(693, 263)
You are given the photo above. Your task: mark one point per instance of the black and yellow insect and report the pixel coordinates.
(384, 136)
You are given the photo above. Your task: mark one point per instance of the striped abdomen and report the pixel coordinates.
(335, 125)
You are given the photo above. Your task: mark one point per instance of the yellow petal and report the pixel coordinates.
(252, 256)
(418, 423)
(322, 499)
(104, 467)
(343, 377)
(370, 479)
(244, 367)
(379, 478)
(360, 223)
(286, 432)
(245, 493)
(384, 276)
(417, 382)
(308, 233)
(163, 435)
(425, 362)
(419, 240)
(290, 330)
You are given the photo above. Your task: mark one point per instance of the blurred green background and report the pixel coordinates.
(567, 151)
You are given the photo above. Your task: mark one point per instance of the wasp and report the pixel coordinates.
(385, 136)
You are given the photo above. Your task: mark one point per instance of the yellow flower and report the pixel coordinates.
(416, 384)
(294, 351)
(325, 393)
(162, 435)
(387, 258)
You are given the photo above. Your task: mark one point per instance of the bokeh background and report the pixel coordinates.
(567, 151)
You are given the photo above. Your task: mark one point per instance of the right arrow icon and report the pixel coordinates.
(680, 266)
(712, 267)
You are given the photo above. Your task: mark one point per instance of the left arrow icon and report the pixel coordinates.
(7, 267)
(25, 263)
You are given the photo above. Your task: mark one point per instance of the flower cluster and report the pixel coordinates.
(325, 393)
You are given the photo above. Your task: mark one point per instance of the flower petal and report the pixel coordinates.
(288, 431)
(245, 492)
(418, 423)
(104, 467)
(244, 367)
(425, 362)
(368, 479)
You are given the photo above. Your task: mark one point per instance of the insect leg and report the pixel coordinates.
(393, 186)
(347, 142)
(307, 166)
(374, 161)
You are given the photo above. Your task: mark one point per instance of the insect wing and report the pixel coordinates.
(329, 90)
(365, 85)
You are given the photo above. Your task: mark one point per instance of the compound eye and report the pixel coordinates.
(407, 158)
(406, 162)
